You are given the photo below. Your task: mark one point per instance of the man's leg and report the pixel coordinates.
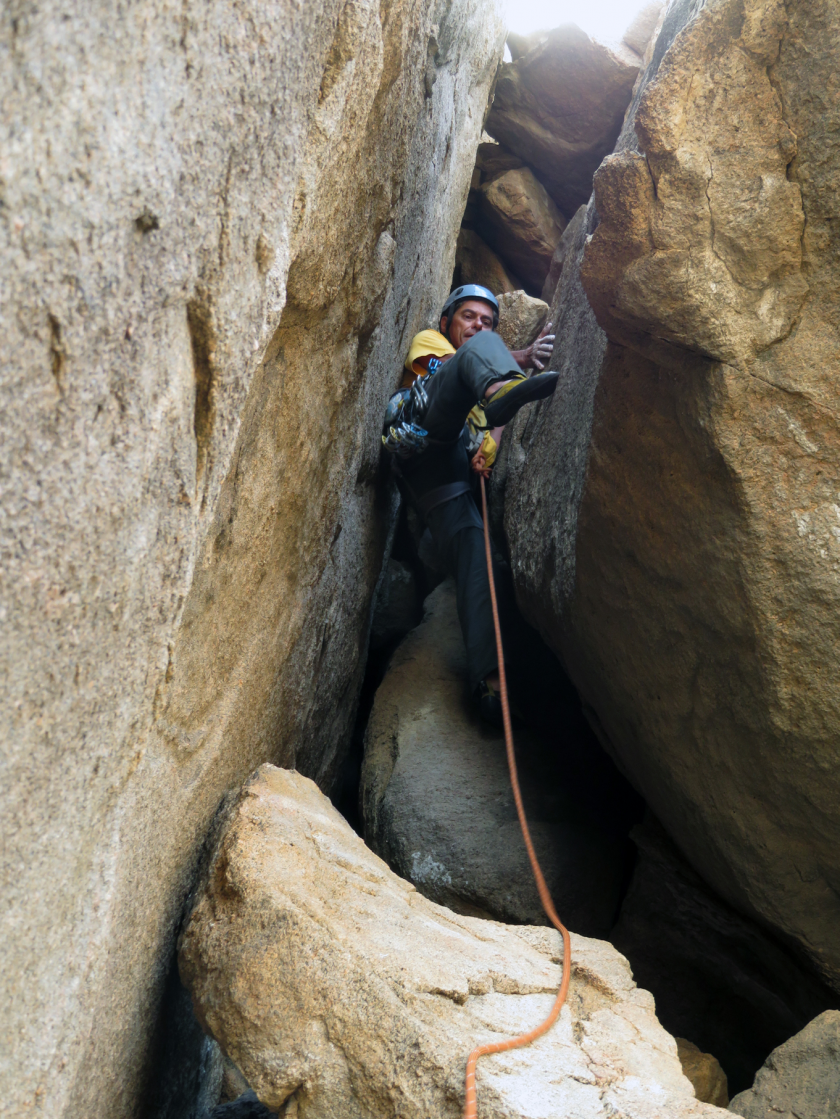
(468, 562)
(462, 381)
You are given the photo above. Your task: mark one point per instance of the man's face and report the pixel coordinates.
(469, 319)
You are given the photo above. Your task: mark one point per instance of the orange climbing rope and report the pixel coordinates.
(471, 1106)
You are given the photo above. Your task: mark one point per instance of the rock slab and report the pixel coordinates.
(210, 232)
(339, 990)
(800, 1079)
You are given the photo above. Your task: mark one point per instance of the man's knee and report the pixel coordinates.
(486, 354)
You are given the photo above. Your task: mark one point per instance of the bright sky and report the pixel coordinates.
(605, 20)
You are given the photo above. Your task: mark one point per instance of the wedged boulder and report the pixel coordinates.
(521, 318)
(800, 1079)
(476, 263)
(676, 540)
(436, 799)
(522, 223)
(560, 108)
(341, 991)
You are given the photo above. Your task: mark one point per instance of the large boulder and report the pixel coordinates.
(801, 1078)
(559, 108)
(674, 535)
(339, 990)
(521, 318)
(477, 263)
(211, 226)
(521, 222)
(437, 804)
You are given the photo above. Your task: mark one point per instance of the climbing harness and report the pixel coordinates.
(471, 1105)
(404, 436)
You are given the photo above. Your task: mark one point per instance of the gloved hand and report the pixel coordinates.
(405, 440)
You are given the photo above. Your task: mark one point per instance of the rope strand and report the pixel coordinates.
(471, 1105)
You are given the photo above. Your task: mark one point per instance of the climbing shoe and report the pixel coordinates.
(489, 704)
(506, 401)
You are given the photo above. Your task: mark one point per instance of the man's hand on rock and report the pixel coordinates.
(538, 354)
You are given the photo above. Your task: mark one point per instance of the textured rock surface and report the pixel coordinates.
(560, 108)
(694, 592)
(700, 238)
(436, 799)
(703, 1070)
(476, 263)
(522, 223)
(397, 609)
(800, 1079)
(718, 978)
(219, 226)
(521, 318)
(355, 996)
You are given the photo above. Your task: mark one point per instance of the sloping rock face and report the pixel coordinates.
(353, 995)
(801, 1078)
(559, 108)
(437, 804)
(683, 560)
(220, 224)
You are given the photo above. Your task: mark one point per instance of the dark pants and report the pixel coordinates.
(456, 526)
(462, 381)
(458, 532)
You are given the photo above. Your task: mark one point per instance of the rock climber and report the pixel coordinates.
(461, 386)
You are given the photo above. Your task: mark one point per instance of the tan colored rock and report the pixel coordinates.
(437, 804)
(700, 238)
(692, 589)
(521, 318)
(211, 222)
(801, 1078)
(339, 990)
(703, 1070)
(522, 223)
(476, 263)
(560, 108)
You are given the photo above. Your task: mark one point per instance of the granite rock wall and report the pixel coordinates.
(219, 225)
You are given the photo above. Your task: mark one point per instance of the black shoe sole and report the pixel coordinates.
(537, 387)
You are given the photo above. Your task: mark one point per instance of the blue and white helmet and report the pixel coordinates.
(469, 291)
